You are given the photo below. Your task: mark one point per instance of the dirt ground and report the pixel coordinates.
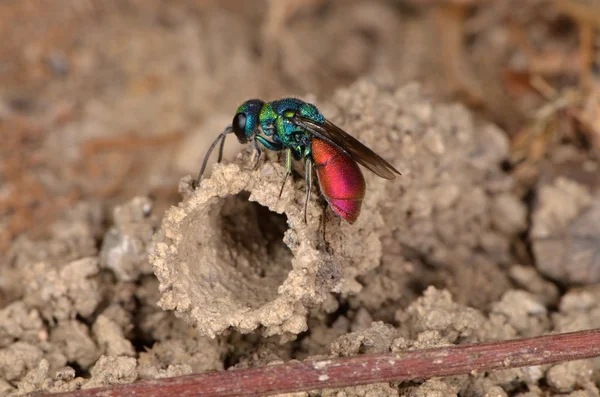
(114, 269)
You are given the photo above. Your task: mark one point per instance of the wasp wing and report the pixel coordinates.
(351, 146)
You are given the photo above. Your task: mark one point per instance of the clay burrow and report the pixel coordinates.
(234, 255)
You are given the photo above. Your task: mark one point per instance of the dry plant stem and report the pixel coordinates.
(586, 45)
(364, 369)
(450, 19)
(588, 18)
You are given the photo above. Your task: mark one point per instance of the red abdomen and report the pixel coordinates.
(342, 183)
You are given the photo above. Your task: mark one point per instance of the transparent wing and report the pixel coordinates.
(348, 144)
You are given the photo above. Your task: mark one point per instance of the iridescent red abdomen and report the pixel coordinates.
(342, 183)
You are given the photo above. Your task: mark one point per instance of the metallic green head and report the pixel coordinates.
(246, 120)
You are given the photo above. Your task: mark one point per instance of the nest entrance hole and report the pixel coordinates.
(253, 235)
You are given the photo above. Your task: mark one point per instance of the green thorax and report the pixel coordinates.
(275, 121)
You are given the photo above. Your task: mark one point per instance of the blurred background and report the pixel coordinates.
(107, 100)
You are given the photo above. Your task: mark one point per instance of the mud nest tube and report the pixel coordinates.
(451, 212)
(235, 255)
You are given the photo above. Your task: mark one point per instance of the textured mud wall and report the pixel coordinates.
(76, 317)
(220, 264)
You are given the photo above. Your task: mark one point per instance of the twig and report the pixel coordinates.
(450, 19)
(364, 369)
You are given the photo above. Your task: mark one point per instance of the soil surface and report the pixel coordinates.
(114, 268)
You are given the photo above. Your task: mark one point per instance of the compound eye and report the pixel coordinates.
(239, 127)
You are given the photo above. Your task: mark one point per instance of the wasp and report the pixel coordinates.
(299, 129)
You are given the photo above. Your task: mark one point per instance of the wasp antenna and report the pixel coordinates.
(224, 134)
(221, 137)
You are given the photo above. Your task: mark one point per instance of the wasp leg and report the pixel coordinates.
(308, 178)
(274, 146)
(288, 169)
(257, 155)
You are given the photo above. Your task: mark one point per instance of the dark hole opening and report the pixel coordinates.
(256, 234)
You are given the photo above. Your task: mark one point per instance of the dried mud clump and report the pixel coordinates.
(565, 234)
(54, 287)
(124, 248)
(63, 293)
(450, 218)
(71, 311)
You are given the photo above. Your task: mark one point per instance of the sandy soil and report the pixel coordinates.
(114, 269)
